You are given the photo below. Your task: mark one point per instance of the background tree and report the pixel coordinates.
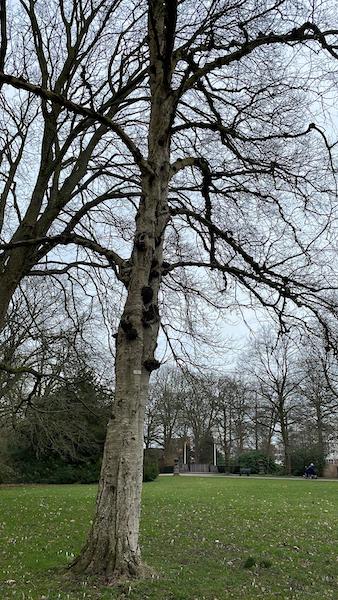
(274, 366)
(151, 424)
(199, 413)
(320, 404)
(169, 389)
(264, 419)
(189, 147)
(231, 420)
(58, 436)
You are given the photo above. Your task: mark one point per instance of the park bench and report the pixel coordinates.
(245, 471)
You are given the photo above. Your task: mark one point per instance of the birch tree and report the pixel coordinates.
(172, 143)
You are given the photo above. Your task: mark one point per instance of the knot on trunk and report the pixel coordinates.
(125, 273)
(147, 294)
(151, 364)
(141, 241)
(150, 315)
(165, 268)
(129, 328)
(154, 272)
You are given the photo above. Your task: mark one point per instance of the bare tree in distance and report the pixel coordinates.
(168, 389)
(263, 419)
(42, 345)
(273, 363)
(172, 143)
(231, 421)
(318, 370)
(199, 406)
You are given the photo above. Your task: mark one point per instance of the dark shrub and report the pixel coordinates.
(54, 469)
(167, 469)
(254, 459)
(7, 473)
(150, 472)
(229, 468)
(302, 457)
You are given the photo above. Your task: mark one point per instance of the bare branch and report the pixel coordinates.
(60, 100)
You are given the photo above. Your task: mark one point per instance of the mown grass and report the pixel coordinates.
(205, 538)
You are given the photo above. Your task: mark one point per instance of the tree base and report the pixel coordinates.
(107, 574)
(143, 572)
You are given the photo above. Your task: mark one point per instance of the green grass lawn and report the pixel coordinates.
(211, 539)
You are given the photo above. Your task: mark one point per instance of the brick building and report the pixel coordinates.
(331, 461)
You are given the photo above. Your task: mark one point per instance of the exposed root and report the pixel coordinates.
(120, 577)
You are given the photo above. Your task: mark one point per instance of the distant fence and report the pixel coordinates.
(202, 468)
(198, 468)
